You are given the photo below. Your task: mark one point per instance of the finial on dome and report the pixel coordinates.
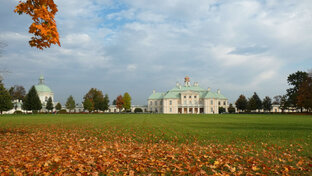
(41, 79)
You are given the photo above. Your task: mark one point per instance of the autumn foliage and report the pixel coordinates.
(44, 25)
(49, 150)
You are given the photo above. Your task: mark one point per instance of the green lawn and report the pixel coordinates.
(120, 144)
(280, 129)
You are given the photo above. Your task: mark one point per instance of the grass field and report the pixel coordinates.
(155, 143)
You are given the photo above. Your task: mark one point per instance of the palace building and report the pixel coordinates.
(187, 99)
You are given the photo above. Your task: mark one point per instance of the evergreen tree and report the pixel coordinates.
(254, 102)
(241, 103)
(127, 101)
(49, 106)
(5, 99)
(114, 102)
(32, 101)
(70, 103)
(88, 105)
(231, 109)
(104, 105)
(58, 106)
(267, 103)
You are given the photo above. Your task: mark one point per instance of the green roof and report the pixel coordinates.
(210, 95)
(42, 88)
(176, 93)
(156, 96)
(171, 94)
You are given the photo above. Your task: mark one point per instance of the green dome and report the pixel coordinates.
(42, 88)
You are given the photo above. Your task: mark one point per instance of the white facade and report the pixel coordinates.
(187, 99)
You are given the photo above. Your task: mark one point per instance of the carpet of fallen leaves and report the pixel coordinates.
(61, 151)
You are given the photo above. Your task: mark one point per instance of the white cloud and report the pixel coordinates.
(131, 67)
(233, 45)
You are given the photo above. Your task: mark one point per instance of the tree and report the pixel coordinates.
(58, 106)
(254, 102)
(241, 103)
(127, 101)
(295, 80)
(277, 100)
(88, 105)
(284, 103)
(17, 92)
(231, 109)
(70, 103)
(49, 106)
(305, 94)
(221, 110)
(267, 103)
(97, 99)
(44, 25)
(119, 102)
(104, 105)
(114, 102)
(32, 101)
(5, 99)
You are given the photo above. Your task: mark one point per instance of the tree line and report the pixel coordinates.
(93, 101)
(298, 96)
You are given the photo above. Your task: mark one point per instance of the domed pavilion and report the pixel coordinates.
(44, 92)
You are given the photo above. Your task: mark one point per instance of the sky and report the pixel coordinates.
(137, 46)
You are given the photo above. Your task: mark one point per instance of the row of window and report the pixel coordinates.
(190, 96)
(151, 103)
(185, 102)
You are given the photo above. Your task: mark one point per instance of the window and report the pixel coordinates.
(195, 102)
(219, 103)
(170, 102)
(195, 96)
(190, 102)
(211, 109)
(224, 103)
(211, 102)
(160, 103)
(190, 96)
(184, 96)
(170, 109)
(185, 102)
(155, 103)
(151, 103)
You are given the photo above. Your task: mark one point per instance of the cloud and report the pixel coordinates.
(131, 67)
(239, 46)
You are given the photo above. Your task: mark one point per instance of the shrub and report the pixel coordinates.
(136, 110)
(62, 111)
(221, 110)
(18, 112)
